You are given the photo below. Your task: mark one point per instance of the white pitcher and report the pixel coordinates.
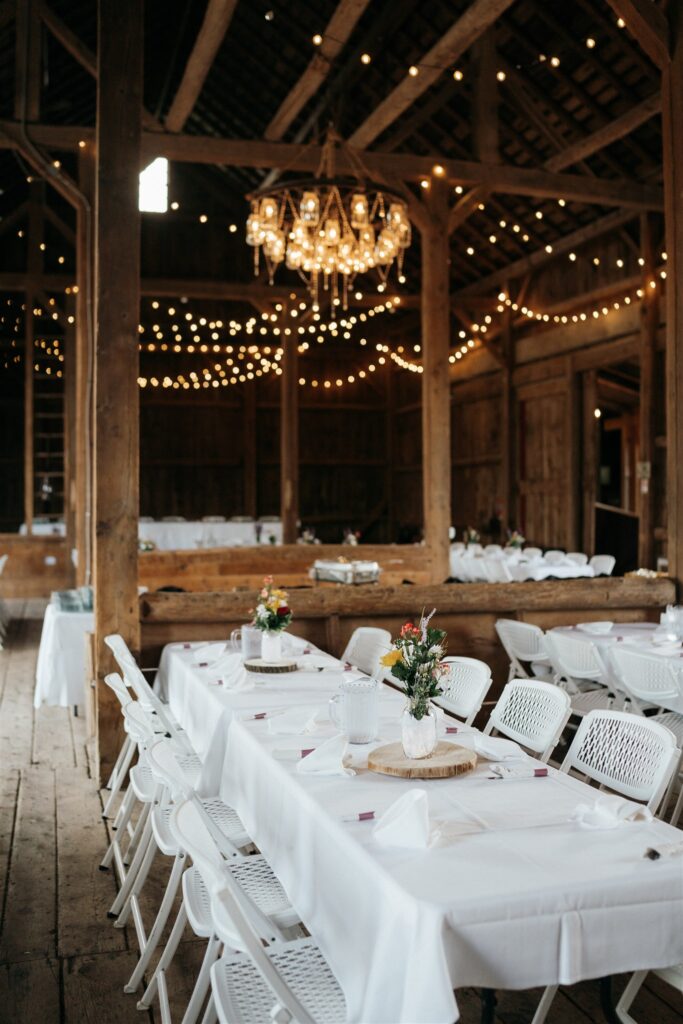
(355, 710)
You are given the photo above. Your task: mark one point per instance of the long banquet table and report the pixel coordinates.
(60, 668)
(189, 534)
(514, 895)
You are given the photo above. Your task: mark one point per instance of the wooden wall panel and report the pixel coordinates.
(543, 483)
(476, 455)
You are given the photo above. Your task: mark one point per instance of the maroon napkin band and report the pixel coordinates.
(451, 728)
(305, 753)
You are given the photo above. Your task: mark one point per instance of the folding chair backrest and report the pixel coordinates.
(577, 557)
(532, 553)
(493, 549)
(646, 677)
(136, 680)
(602, 565)
(116, 683)
(366, 647)
(523, 642)
(532, 713)
(575, 658)
(554, 557)
(464, 687)
(629, 754)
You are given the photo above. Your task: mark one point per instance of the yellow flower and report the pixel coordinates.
(392, 658)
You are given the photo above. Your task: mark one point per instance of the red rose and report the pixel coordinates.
(283, 611)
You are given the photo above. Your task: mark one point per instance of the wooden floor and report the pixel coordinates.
(61, 960)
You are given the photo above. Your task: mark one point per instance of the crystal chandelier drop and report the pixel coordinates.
(329, 230)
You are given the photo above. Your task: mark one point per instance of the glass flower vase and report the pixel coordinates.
(418, 735)
(271, 645)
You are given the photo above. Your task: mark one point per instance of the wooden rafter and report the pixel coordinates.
(606, 135)
(465, 31)
(211, 34)
(69, 40)
(505, 178)
(648, 25)
(535, 259)
(335, 36)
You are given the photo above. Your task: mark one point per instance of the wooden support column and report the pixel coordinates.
(672, 144)
(589, 476)
(649, 324)
(572, 500)
(508, 515)
(84, 363)
(249, 448)
(117, 293)
(436, 411)
(70, 428)
(34, 267)
(289, 441)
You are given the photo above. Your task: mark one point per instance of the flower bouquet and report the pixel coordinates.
(417, 662)
(471, 536)
(272, 615)
(516, 539)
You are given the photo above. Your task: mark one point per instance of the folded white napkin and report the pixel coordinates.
(406, 823)
(327, 759)
(295, 721)
(610, 812)
(492, 747)
(230, 672)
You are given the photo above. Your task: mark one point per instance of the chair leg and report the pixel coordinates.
(203, 982)
(210, 1015)
(544, 1005)
(159, 922)
(678, 808)
(166, 958)
(138, 883)
(118, 774)
(123, 818)
(131, 874)
(627, 997)
(136, 833)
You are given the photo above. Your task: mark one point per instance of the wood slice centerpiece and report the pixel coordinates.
(270, 667)
(447, 760)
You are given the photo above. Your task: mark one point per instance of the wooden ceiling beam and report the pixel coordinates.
(648, 25)
(465, 31)
(535, 259)
(335, 36)
(605, 136)
(69, 40)
(207, 44)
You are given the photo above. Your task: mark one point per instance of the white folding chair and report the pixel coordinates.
(464, 687)
(554, 557)
(577, 557)
(627, 754)
(173, 519)
(579, 668)
(532, 553)
(127, 751)
(602, 565)
(650, 679)
(524, 645)
(493, 549)
(458, 546)
(474, 549)
(213, 519)
(366, 647)
(497, 570)
(251, 872)
(532, 713)
(671, 975)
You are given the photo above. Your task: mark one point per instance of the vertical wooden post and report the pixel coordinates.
(390, 447)
(27, 61)
(589, 476)
(117, 285)
(34, 268)
(672, 144)
(572, 497)
(507, 446)
(70, 430)
(289, 441)
(249, 448)
(649, 324)
(436, 412)
(84, 366)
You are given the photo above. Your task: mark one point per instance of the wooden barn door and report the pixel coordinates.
(547, 479)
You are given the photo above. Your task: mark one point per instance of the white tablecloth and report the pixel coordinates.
(60, 670)
(513, 565)
(515, 896)
(44, 529)
(183, 536)
(633, 634)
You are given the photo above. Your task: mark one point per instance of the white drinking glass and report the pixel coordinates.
(355, 709)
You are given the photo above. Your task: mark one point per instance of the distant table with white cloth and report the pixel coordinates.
(514, 893)
(643, 636)
(512, 566)
(200, 534)
(60, 669)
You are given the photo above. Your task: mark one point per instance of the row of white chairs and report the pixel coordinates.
(254, 969)
(211, 519)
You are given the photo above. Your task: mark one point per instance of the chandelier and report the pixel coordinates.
(329, 230)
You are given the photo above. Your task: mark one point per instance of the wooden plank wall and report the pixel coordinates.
(468, 612)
